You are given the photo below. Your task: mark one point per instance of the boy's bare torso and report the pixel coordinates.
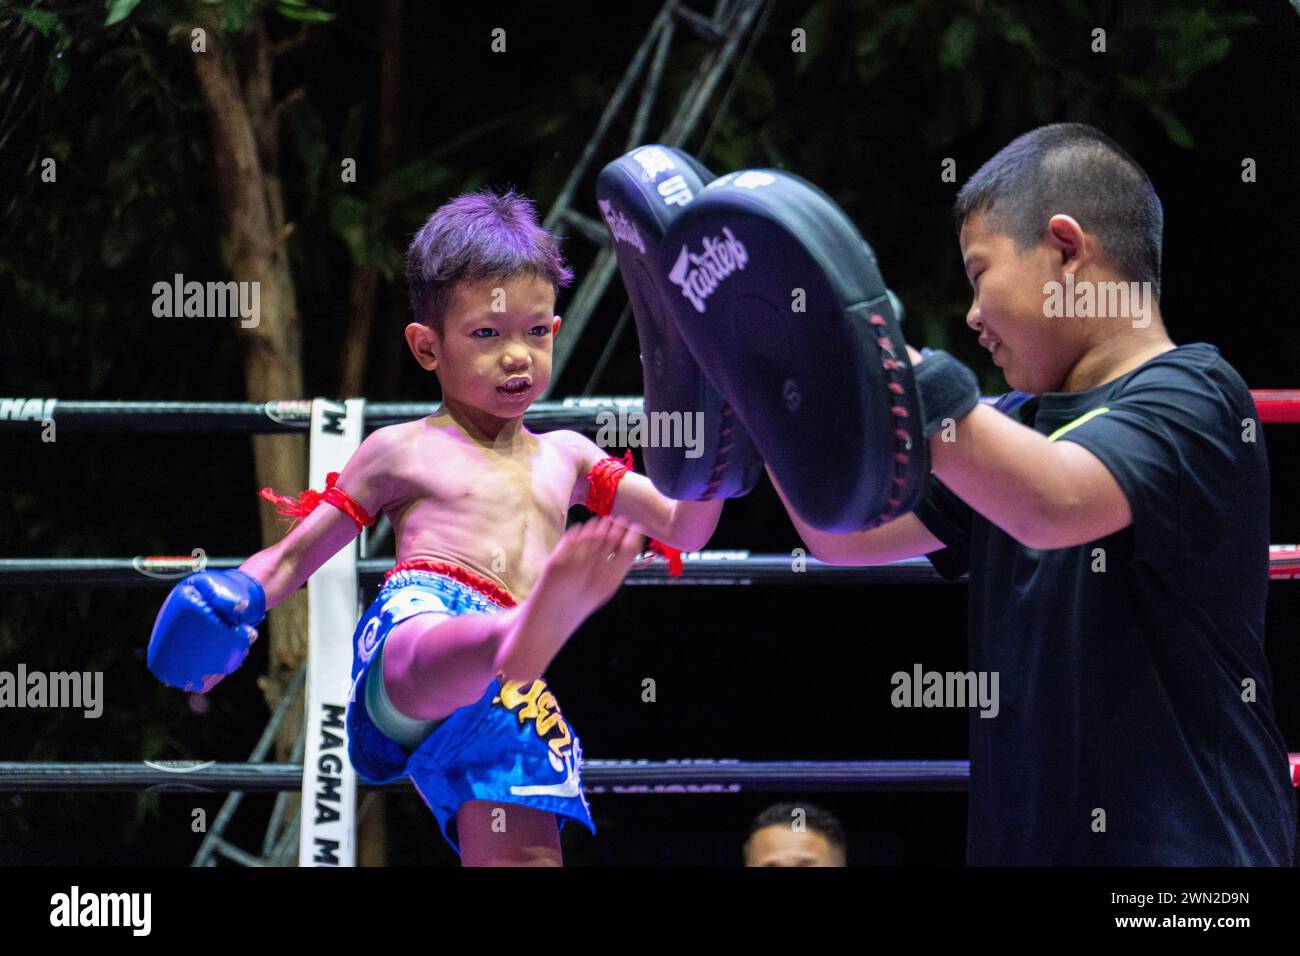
(495, 508)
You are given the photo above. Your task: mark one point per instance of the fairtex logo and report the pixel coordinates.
(620, 227)
(698, 275)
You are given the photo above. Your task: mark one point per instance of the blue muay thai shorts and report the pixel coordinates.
(512, 746)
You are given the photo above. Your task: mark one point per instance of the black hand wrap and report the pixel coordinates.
(946, 387)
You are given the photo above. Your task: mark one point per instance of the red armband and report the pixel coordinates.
(307, 501)
(602, 482)
(602, 485)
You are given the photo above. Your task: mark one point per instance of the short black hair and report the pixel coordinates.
(1075, 169)
(482, 235)
(816, 818)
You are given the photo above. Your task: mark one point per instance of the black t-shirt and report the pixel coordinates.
(1122, 736)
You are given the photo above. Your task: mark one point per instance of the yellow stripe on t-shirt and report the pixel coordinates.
(1077, 422)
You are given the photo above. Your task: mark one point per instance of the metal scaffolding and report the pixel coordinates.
(732, 22)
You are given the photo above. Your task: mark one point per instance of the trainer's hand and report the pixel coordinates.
(205, 628)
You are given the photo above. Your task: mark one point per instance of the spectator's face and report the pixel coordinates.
(782, 845)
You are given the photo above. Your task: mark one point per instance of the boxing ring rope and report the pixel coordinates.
(699, 568)
(599, 776)
(706, 568)
(1276, 407)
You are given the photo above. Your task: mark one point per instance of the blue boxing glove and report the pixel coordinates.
(205, 628)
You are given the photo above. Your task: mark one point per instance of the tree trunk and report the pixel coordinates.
(363, 300)
(244, 120)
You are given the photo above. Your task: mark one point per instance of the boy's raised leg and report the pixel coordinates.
(435, 665)
(582, 573)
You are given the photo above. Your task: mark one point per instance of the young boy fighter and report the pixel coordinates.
(488, 584)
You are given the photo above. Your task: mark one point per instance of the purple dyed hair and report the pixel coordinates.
(483, 235)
